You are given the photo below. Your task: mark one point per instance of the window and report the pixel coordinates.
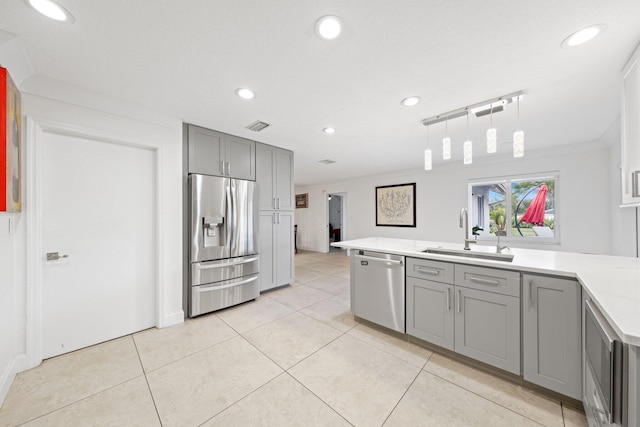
(516, 208)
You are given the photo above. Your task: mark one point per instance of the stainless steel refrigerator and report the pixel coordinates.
(223, 254)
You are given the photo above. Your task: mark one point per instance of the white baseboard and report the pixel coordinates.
(19, 363)
(171, 319)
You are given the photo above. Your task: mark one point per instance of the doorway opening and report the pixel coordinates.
(337, 219)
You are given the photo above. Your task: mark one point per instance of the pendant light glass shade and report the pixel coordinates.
(492, 140)
(446, 148)
(467, 149)
(518, 138)
(518, 144)
(428, 164)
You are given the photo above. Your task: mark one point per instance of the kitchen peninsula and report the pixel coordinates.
(610, 284)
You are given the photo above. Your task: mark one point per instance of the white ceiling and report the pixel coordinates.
(186, 58)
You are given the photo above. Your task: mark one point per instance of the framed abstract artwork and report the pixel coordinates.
(10, 130)
(396, 205)
(302, 200)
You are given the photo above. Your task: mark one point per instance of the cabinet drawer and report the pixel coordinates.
(488, 279)
(430, 270)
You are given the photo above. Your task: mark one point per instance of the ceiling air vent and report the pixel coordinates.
(326, 161)
(257, 126)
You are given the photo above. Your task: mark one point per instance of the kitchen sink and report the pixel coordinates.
(493, 256)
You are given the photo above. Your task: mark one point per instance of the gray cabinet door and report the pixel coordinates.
(274, 174)
(283, 248)
(487, 328)
(265, 176)
(430, 311)
(266, 250)
(284, 179)
(206, 151)
(240, 157)
(552, 339)
(276, 249)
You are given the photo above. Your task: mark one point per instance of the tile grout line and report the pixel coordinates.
(318, 397)
(147, 380)
(402, 397)
(487, 399)
(242, 398)
(90, 395)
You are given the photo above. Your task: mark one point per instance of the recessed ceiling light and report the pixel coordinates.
(583, 36)
(329, 27)
(245, 93)
(330, 130)
(51, 10)
(410, 101)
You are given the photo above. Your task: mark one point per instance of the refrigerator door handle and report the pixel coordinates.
(230, 220)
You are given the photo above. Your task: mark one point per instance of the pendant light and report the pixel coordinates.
(492, 138)
(446, 142)
(428, 155)
(518, 137)
(467, 147)
(428, 164)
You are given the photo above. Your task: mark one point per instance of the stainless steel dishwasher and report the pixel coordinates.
(377, 288)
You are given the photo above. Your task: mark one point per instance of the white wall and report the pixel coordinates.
(583, 208)
(53, 101)
(12, 254)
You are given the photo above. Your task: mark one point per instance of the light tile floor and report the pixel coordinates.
(293, 357)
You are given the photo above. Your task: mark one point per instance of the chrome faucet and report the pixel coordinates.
(464, 223)
(499, 248)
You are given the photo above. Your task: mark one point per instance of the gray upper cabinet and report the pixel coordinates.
(219, 154)
(275, 177)
(552, 340)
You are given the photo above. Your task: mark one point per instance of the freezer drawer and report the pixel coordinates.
(378, 288)
(215, 296)
(225, 269)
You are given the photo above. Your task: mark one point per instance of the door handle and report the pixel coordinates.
(428, 270)
(484, 281)
(458, 309)
(389, 261)
(448, 299)
(531, 293)
(55, 256)
(228, 168)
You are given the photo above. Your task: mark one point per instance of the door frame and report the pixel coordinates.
(343, 204)
(35, 130)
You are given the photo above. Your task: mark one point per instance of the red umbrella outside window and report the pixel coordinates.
(535, 212)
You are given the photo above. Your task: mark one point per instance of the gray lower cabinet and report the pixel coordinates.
(552, 341)
(487, 328)
(474, 311)
(276, 249)
(430, 311)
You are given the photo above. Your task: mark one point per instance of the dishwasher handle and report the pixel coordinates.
(375, 259)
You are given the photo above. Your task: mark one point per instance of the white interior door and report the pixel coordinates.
(98, 215)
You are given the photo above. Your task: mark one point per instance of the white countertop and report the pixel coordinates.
(613, 283)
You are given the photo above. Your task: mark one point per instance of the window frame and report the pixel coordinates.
(510, 179)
